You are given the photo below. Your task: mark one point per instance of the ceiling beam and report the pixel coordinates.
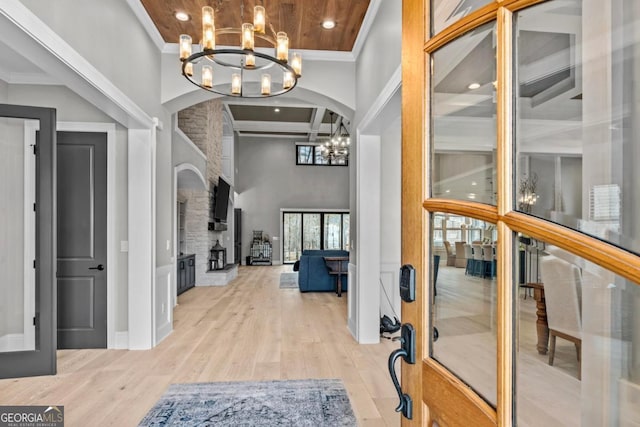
(316, 122)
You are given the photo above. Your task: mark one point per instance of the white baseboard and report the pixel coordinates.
(122, 340)
(163, 332)
(12, 342)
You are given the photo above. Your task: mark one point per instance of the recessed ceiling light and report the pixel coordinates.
(472, 195)
(182, 16)
(277, 110)
(474, 183)
(473, 86)
(447, 191)
(328, 24)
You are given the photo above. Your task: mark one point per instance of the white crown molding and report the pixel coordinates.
(142, 15)
(392, 85)
(367, 23)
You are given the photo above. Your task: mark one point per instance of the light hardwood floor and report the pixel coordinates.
(248, 330)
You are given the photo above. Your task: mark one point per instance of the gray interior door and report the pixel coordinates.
(27, 241)
(82, 239)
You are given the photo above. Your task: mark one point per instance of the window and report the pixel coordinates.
(313, 230)
(311, 155)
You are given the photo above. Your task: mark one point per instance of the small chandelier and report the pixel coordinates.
(527, 193)
(244, 71)
(337, 147)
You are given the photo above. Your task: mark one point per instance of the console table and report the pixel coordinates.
(337, 266)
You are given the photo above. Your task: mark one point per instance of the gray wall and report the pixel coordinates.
(372, 74)
(4, 91)
(71, 108)
(108, 34)
(269, 180)
(380, 56)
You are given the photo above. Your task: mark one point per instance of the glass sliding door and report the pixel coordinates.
(292, 245)
(313, 230)
(332, 231)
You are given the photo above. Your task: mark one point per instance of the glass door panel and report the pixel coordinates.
(292, 229)
(17, 228)
(464, 117)
(332, 231)
(464, 308)
(27, 241)
(578, 341)
(345, 232)
(577, 156)
(311, 231)
(448, 12)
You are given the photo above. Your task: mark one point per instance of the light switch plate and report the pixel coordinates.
(124, 246)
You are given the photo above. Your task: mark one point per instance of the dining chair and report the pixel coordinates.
(468, 256)
(488, 261)
(478, 259)
(451, 256)
(562, 282)
(460, 261)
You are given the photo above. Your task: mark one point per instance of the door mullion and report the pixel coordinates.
(504, 277)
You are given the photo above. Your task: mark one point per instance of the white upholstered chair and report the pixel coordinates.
(562, 283)
(451, 256)
(461, 261)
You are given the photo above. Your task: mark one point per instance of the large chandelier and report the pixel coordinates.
(243, 71)
(337, 147)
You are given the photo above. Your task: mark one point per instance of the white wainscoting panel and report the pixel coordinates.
(352, 301)
(164, 304)
(389, 275)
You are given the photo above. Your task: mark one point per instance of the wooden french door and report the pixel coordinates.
(524, 53)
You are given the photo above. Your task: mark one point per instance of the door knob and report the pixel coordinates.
(99, 267)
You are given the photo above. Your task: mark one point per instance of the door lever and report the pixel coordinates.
(407, 351)
(100, 267)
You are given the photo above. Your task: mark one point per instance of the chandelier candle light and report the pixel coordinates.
(337, 147)
(252, 74)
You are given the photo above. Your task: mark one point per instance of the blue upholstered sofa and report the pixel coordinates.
(313, 275)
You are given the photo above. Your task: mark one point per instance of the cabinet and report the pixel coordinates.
(186, 274)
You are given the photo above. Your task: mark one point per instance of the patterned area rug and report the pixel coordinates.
(269, 403)
(289, 280)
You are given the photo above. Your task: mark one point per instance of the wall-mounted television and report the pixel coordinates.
(220, 201)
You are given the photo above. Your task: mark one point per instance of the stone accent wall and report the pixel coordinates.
(202, 123)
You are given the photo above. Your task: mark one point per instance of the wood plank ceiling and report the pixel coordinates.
(300, 19)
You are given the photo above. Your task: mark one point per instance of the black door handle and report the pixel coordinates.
(407, 351)
(100, 267)
(406, 405)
